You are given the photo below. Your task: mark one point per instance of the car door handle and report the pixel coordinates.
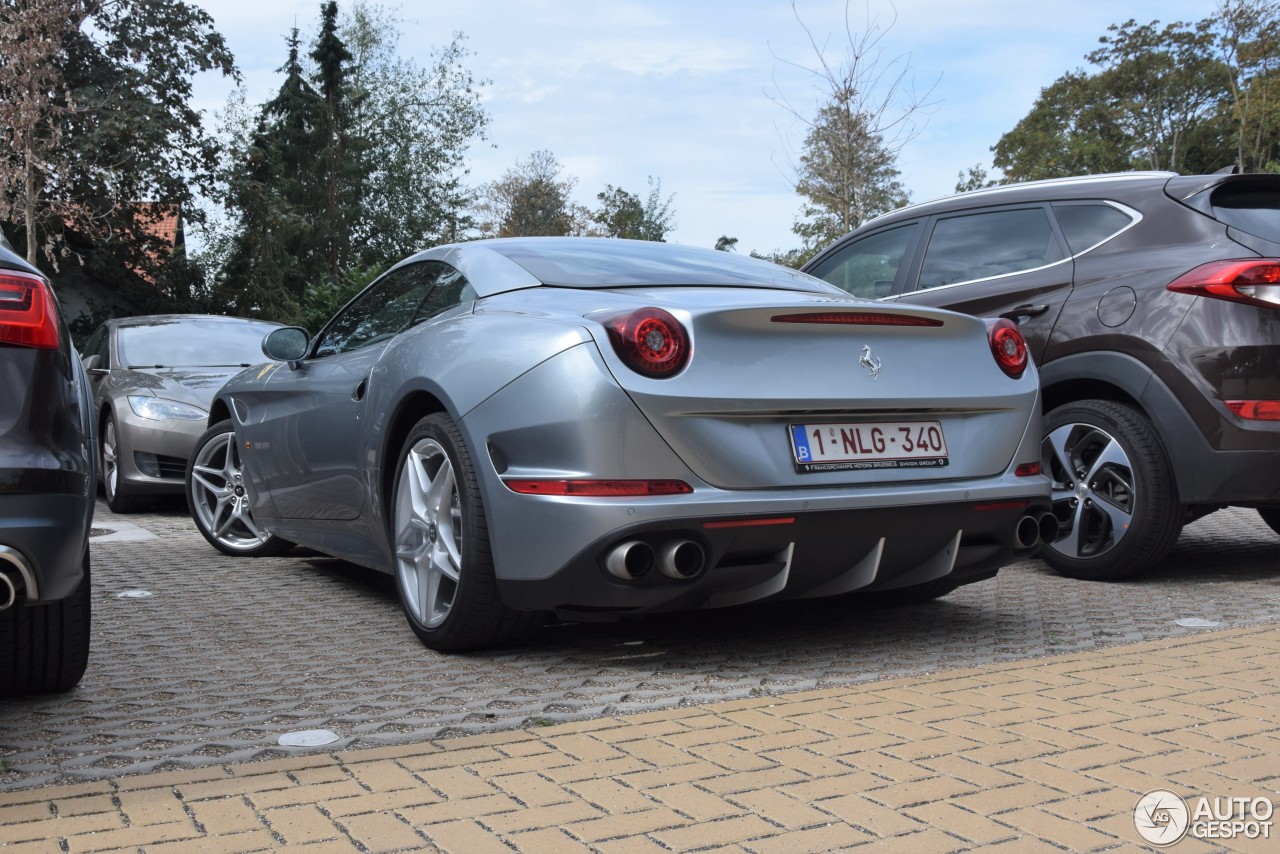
(1025, 311)
(357, 393)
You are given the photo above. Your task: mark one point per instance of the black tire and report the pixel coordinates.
(1113, 491)
(44, 648)
(217, 499)
(431, 544)
(113, 486)
(1271, 515)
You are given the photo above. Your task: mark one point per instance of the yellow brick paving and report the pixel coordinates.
(1037, 755)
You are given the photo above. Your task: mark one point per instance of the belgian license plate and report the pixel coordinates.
(868, 445)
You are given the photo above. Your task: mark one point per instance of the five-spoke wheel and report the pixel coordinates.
(109, 453)
(218, 500)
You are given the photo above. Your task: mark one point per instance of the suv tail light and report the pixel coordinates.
(649, 340)
(1254, 281)
(28, 314)
(1008, 346)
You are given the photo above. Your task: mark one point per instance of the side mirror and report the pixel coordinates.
(286, 344)
(90, 362)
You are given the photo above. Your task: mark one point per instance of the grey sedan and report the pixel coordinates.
(153, 378)
(597, 428)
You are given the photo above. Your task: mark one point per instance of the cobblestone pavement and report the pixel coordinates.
(228, 654)
(1090, 751)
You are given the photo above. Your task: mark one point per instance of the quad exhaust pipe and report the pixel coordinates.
(677, 559)
(1035, 530)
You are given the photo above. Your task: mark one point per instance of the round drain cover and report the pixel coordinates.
(308, 738)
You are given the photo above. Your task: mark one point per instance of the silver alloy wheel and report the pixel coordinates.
(428, 533)
(218, 496)
(110, 462)
(1093, 492)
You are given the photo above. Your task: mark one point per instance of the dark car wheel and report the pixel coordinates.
(1113, 491)
(1271, 515)
(217, 499)
(45, 648)
(444, 568)
(112, 485)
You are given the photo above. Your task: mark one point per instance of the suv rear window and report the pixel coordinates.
(1251, 208)
(1085, 225)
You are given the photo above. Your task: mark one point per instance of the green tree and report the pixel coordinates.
(338, 180)
(411, 128)
(95, 117)
(623, 214)
(532, 198)
(1249, 47)
(973, 178)
(725, 243)
(847, 170)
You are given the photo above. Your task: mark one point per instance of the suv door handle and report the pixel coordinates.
(1025, 311)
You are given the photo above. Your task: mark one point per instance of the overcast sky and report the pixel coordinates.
(680, 89)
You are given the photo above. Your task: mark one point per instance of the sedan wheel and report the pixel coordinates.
(444, 570)
(1113, 491)
(218, 501)
(110, 455)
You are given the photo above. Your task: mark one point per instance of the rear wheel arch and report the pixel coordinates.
(219, 411)
(411, 409)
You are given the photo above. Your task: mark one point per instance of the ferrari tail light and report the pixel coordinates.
(598, 488)
(649, 340)
(857, 318)
(28, 314)
(1253, 281)
(1008, 346)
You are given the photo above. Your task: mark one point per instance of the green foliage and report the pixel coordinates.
(532, 199)
(973, 178)
(725, 243)
(1184, 97)
(623, 214)
(95, 116)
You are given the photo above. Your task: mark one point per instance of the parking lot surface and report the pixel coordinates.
(225, 655)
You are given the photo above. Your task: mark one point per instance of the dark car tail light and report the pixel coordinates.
(1255, 410)
(1254, 281)
(649, 340)
(28, 314)
(857, 318)
(598, 488)
(1008, 346)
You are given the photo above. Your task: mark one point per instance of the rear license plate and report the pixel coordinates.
(869, 445)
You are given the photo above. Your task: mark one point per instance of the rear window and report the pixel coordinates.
(1086, 225)
(1251, 208)
(868, 266)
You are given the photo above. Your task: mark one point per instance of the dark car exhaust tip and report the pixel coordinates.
(629, 560)
(681, 559)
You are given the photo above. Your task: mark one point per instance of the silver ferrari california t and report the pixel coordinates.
(598, 427)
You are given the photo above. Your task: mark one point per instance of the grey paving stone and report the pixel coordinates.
(229, 654)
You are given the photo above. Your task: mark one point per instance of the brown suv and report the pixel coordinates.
(1151, 302)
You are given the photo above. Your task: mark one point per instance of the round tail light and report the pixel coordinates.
(649, 340)
(1008, 346)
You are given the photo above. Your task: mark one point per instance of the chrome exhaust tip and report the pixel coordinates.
(681, 559)
(1049, 528)
(1026, 533)
(629, 560)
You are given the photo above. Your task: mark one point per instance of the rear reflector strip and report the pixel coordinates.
(599, 488)
(1000, 505)
(1255, 410)
(749, 523)
(857, 318)
(1027, 470)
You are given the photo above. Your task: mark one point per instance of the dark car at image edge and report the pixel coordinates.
(1151, 304)
(46, 489)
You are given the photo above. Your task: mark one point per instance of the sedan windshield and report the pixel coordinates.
(192, 342)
